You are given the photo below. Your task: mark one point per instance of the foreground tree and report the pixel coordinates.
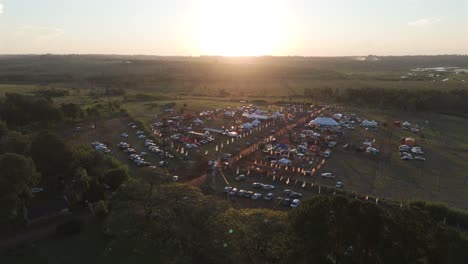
(53, 159)
(17, 176)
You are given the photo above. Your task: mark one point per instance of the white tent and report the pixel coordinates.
(406, 124)
(324, 122)
(247, 126)
(337, 116)
(368, 123)
(198, 121)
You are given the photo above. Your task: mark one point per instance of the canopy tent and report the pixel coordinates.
(247, 126)
(277, 115)
(256, 122)
(324, 122)
(284, 161)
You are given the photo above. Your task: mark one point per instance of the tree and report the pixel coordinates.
(71, 110)
(18, 175)
(81, 183)
(115, 177)
(3, 129)
(15, 142)
(53, 159)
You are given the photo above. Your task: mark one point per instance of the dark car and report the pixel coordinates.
(286, 202)
(295, 195)
(257, 185)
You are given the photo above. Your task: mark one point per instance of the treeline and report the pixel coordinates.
(177, 224)
(19, 110)
(44, 160)
(450, 101)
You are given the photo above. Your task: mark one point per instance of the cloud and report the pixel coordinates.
(424, 22)
(1, 8)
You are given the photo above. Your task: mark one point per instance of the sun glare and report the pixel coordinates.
(239, 28)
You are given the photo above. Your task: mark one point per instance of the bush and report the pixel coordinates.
(70, 227)
(101, 209)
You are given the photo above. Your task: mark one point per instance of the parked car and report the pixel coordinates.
(287, 192)
(327, 153)
(268, 197)
(227, 189)
(233, 191)
(295, 203)
(124, 135)
(175, 178)
(256, 196)
(286, 202)
(268, 187)
(248, 194)
(141, 136)
(295, 195)
(257, 185)
(339, 185)
(421, 158)
(241, 193)
(327, 175)
(240, 177)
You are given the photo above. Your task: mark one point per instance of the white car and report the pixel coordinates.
(139, 132)
(255, 196)
(417, 150)
(327, 175)
(268, 197)
(268, 187)
(124, 135)
(339, 185)
(141, 136)
(175, 178)
(407, 157)
(327, 153)
(420, 158)
(295, 203)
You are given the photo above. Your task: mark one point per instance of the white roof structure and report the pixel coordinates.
(255, 116)
(324, 122)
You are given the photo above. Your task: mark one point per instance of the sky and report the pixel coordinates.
(234, 27)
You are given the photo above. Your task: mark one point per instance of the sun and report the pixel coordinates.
(239, 28)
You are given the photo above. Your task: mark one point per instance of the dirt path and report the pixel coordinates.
(37, 233)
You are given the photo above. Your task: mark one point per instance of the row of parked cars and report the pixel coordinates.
(291, 200)
(188, 141)
(100, 147)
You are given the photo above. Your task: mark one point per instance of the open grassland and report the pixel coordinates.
(442, 177)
